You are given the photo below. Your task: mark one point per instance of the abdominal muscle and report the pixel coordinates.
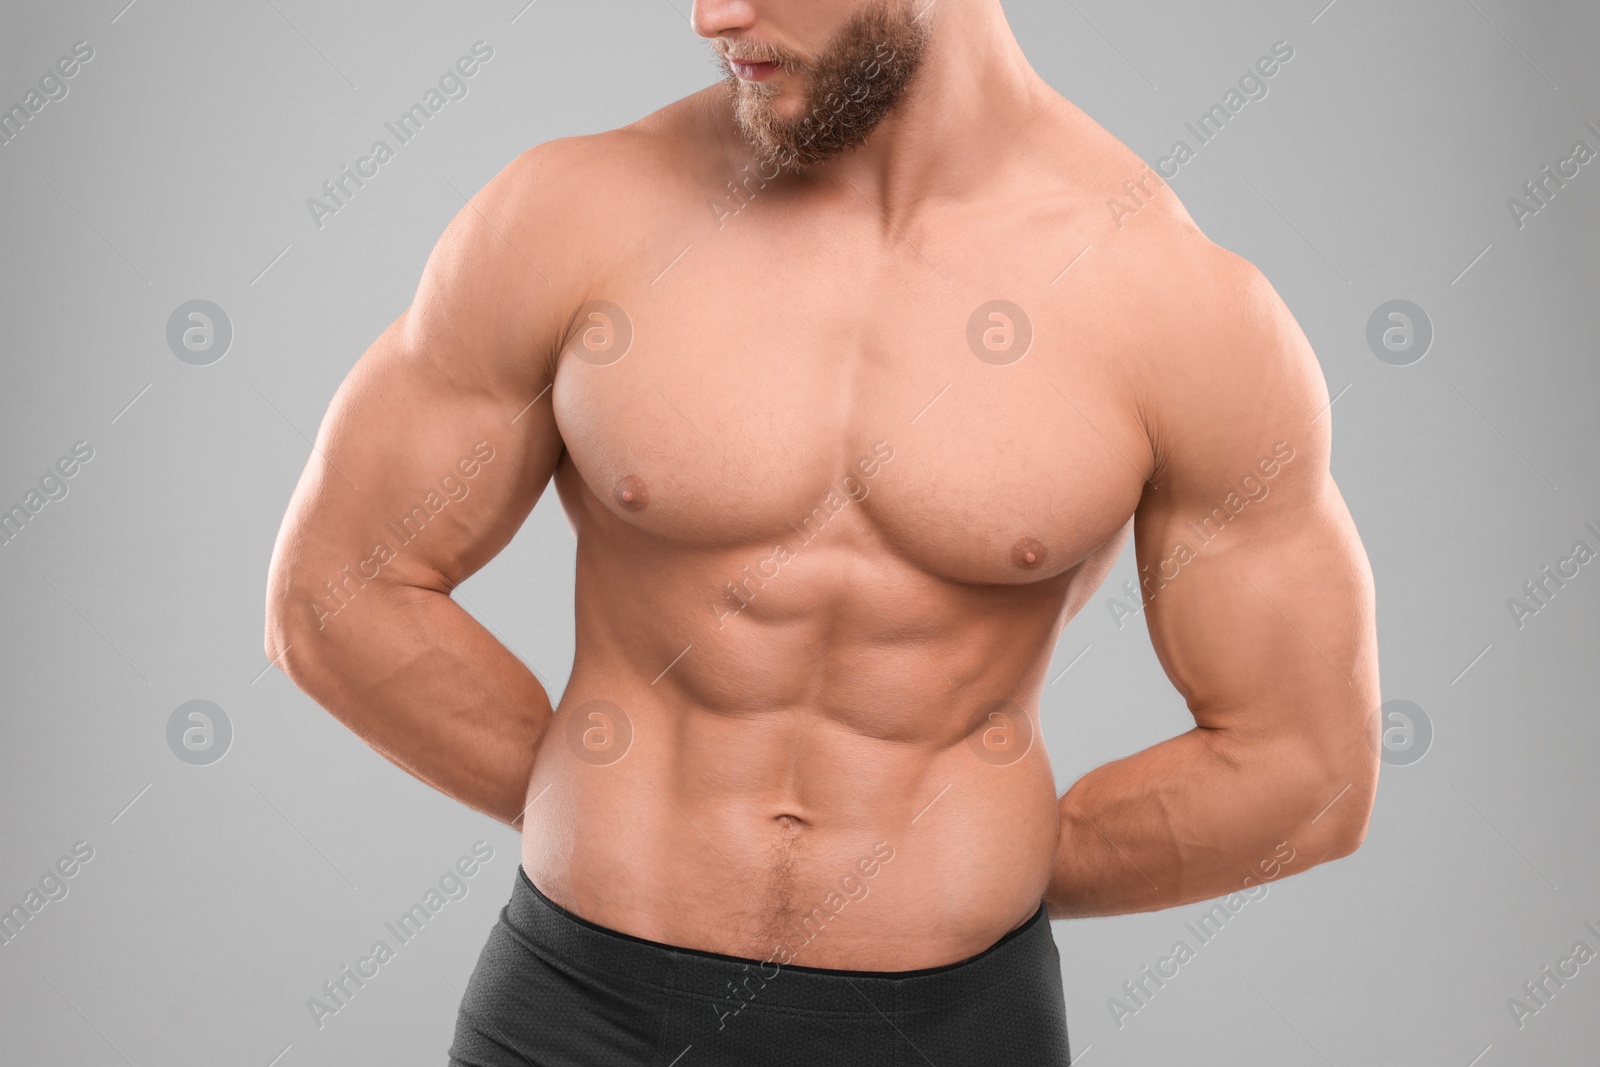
(815, 790)
(723, 835)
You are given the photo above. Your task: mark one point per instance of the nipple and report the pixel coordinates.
(1029, 553)
(631, 492)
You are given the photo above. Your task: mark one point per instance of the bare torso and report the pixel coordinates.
(822, 537)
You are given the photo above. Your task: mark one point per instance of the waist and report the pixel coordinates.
(771, 980)
(724, 832)
(865, 881)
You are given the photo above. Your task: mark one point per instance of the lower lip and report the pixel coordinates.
(753, 72)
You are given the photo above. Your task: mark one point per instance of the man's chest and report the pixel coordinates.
(979, 436)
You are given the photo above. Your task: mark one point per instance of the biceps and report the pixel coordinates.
(1264, 622)
(418, 477)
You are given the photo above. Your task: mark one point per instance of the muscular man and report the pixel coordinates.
(852, 372)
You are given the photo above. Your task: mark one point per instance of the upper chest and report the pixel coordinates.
(944, 396)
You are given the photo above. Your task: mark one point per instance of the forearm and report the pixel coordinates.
(1194, 816)
(428, 687)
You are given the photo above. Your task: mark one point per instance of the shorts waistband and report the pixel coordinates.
(574, 943)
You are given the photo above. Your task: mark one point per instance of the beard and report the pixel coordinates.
(850, 87)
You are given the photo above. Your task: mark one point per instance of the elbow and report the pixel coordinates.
(291, 624)
(1340, 823)
(1345, 836)
(278, 639)
(275, 632)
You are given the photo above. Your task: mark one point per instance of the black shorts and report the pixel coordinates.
(553, 990)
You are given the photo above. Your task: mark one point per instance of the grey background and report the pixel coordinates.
(221, 897)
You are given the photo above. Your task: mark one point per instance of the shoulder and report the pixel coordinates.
(565, 218)
(1214, 316)
(1221, 369)
(1214, 366)
(619, 174)
(1169, 300)
(1188, 303)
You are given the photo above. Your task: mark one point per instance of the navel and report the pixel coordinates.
(1029, 553)
(631, 492)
